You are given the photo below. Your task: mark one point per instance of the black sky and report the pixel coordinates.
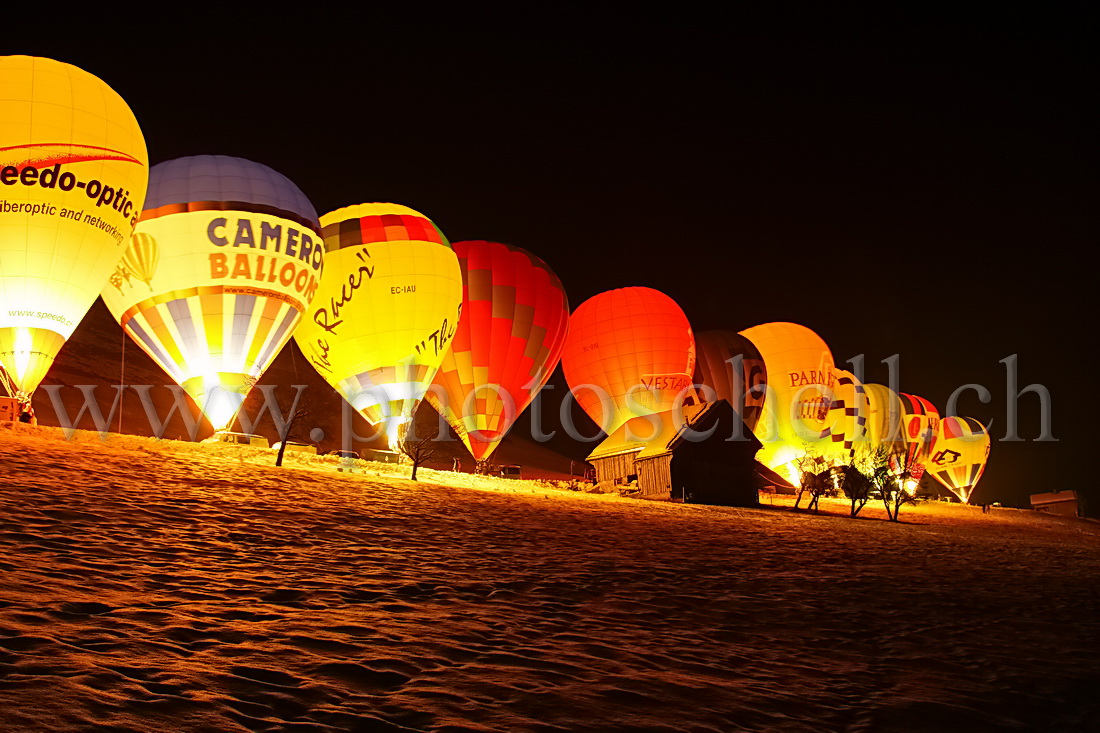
(902, 184)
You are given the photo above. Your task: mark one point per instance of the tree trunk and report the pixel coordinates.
(414, 470)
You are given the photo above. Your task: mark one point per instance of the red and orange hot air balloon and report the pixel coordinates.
(920, 426)
(508, 342)
(629, 352)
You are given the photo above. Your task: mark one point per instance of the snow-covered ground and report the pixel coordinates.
(156, 587)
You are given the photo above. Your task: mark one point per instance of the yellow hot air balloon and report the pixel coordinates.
(231, 252)
(801, 381)
(846, 430)
(140, 260)
(386, 310)
(959, 455)
(884, 421)
(73, 173)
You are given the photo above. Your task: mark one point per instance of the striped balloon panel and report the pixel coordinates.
(884, 424)
(920, 420)
(212, 331)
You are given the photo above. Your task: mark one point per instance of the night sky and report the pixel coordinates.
(900, 184)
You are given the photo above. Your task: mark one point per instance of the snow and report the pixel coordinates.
(164, 586)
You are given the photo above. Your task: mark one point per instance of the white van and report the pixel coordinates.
(225, 436)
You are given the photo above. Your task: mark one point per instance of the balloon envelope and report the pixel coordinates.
(225, 260)
(801, 380)
(731, 366)
(845, 430)
(73, 169)
(509, 340)
(920, 422)
(884, 421)
(386, 310)
(959, 456)
(629, 352)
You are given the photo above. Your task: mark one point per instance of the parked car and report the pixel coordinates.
(382, 456)
(293, 445)
(225, 436)
(511, 471)
(344, 454)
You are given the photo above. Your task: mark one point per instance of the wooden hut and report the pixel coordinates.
(1063, 503)
(684, 454)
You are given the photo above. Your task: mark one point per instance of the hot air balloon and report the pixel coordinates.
(74, 170)
(884, 421)
(140, 260)
(508, 341)
(920, 422)
(801, 381)
(233, 256)
(960, 454)
(845, 428)
(718, 356)
(629, 352)
(386, 310)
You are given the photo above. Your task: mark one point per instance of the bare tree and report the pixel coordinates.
(420, 442)
(857, 486)
(903, 472)
(889, 472)
(294, 428)
(815, 477)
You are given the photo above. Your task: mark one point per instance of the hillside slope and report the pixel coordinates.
(146, 589)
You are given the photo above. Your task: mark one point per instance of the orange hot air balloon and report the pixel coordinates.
(960, 454)
(629, 352)
(716, 365)
(509, 339)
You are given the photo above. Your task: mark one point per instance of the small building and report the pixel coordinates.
(9, 409)
(1063, 503)
(684, 454)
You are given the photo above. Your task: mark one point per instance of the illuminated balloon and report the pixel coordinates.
(845, 428)
(884, 422)
(801, 381)
(508, 341)
(225, 259)
(920, 422)
(141, 259)
(629, 352)
(716, 362)
(73, 172)
(386, 311)
(959, 455)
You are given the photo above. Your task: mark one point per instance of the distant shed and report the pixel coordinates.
(1063, 503)
(689, 455)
